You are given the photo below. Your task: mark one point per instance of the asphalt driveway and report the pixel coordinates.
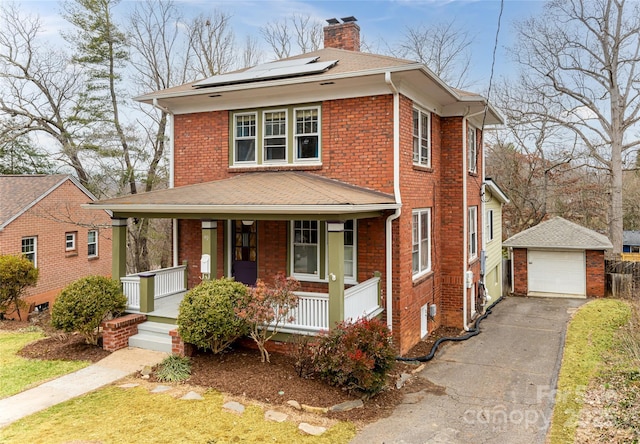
(498, 386)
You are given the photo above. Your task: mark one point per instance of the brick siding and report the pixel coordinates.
(116, 332)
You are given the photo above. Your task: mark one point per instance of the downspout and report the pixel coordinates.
(397, 197)
(174, 222)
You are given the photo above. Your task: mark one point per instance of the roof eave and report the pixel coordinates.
(558, 247)
(247, 209)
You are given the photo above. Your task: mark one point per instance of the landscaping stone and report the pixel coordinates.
(192, 396)
(272, 415)
(295, 404)
(311, 429)
(347, 405)
(128, 386)
(404, 377)
(146, 370)
(312, 409)
(161, 388)
(234, 407)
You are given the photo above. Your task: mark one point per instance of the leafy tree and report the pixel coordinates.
(17, 273)
(19, 156)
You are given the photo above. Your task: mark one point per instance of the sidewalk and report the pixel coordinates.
(115, 366)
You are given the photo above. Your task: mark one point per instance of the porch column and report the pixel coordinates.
(118, 249)
(147, 292)
(336, 272)
(210, 246)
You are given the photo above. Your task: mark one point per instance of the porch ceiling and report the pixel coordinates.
(260, 193)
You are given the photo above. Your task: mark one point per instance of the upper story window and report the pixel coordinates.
(473, 232)
(421, 138)
(472, 149)
(30, 249)
(70, 241)
(421, 243)
(489, 227)
(288, 135)
(92, 243)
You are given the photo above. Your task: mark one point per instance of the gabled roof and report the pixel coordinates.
(496, 191)
(559, 233)
(631, 237)
(277, 192)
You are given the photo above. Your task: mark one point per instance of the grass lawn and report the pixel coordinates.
(590, 337)
(18, 374)
(116, 415)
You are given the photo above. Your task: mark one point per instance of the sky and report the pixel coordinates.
(381, 21)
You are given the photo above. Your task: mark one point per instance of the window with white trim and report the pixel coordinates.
(92, 243)
(421, 138)
(472, 149)
(350, 249)
(472, 223)
(421, 241)
(489, 227)
(307, 133)
(306, 254)
(275, 136)
(30, 249)
(244, 144)
(70, 241)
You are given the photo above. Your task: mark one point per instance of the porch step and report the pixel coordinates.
(153, 336)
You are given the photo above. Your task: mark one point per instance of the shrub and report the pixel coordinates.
(16, 274)
(174, 368)
(268, 307)
(84, 304)
(207, 315)
(356, 356)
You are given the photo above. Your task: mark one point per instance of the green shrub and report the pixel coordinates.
(356, 356)
(207, 316)
(85, 303)
(174, 368)
(16, 274)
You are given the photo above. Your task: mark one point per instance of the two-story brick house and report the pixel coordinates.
(343, 169)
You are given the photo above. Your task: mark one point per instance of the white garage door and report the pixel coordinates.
(556, 273)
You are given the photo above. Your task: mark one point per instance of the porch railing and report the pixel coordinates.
(362, 300)
(167, 281)
(311, 314)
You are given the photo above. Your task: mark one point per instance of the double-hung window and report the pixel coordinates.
(30, 249)
(244, 149)
(421, 138)
(306, 249)
(275, 136)
(70, 241)
(307, 133)
(350, 251)
(472, 149)
(92, 243)
(473, 232)
(489, 227)
(421, 244)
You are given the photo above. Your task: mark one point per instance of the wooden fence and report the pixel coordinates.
(622, 278)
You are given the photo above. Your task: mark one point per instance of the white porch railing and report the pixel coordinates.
(362, 300)
(167, 281)
(311, 314)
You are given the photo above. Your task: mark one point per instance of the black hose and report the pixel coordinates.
(471, 333)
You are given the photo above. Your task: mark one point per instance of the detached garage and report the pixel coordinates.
(558, 258)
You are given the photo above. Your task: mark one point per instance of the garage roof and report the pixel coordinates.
(559, 233)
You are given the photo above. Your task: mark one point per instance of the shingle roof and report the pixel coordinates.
(287, 192)
(19, 192)
(630, 237)
(559, 233)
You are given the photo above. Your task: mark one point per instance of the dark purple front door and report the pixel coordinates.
(245, 252)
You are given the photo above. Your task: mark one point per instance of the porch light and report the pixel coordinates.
(248, 223)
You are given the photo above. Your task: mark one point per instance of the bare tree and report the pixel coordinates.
(212, 44)
(582, 57)
(251, 54)
(296, 34)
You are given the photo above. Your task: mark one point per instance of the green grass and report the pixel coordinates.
(18, 374)
(115, 415)
(590, 335)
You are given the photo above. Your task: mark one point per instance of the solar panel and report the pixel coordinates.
(269, 71)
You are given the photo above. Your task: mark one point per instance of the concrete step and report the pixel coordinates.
(153, 336)
(156, 327)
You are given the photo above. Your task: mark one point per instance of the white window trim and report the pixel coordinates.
(490, 226)
(419, 212)
(420, 131)
(304, 276)
(472, 235)
(265, 137)
(347, 279)
(89, 243)
(255, 139)
(303, 161)
(472, 135)
(72, 238)
(35, 249)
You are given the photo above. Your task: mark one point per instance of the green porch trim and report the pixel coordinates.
(335, 233)
(210, 246)
(147, 292)
(118, 248)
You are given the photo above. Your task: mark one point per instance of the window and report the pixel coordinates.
(305, 247)
(473, 232)
(421, 138)
(30, 249)
(92, 243)
(350, 253)
(70, 241)
(306, 134)
(489, 225)
(275, 136)
(421, 248)
(245, 138)
(472, 149)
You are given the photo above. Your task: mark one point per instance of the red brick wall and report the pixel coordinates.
(49, 221)
(342, 36)
(520, 272)
(116, 332)
(595, 273)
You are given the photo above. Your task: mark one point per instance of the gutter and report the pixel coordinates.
(398, 199)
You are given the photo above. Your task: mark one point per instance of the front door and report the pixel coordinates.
(244, 267)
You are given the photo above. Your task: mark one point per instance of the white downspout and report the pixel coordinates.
(174, 222)
(398, 199)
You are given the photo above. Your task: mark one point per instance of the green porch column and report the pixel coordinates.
(147, 292)
(336, 272)
(118, 248)
(210, 246)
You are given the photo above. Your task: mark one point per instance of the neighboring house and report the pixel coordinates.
(494, 199)
(558, 258)
(631, 241)
(358, 174)
(41, 218)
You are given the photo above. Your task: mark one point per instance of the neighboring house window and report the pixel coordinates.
(92, 243)
(305, 247)
(30, 249)
(70, 241)
(473, 232)
(275, 136)
(472, 149)
(421, 245)
(307, 133)
(421, 138)
(490, 225)
(245, 138)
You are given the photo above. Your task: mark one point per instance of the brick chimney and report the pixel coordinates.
(345, 35)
